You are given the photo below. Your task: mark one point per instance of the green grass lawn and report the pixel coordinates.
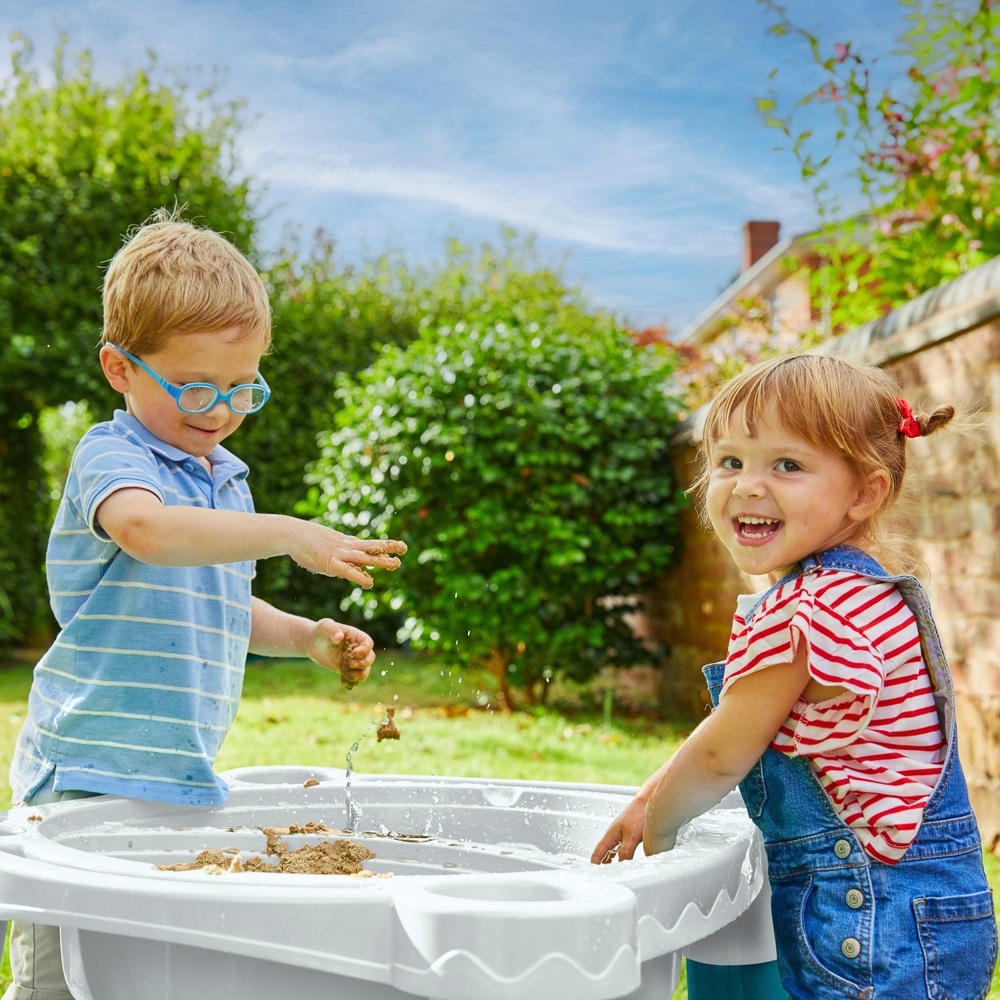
(295, 713)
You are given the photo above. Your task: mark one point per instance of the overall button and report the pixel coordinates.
(842, 848)
(855, 898)
(851, 947)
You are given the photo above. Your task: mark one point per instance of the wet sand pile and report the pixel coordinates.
(328, 857)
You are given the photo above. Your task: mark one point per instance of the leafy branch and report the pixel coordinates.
(923, 150)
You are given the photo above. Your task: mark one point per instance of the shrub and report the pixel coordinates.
(521, 453)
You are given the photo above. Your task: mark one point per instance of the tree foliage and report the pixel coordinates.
(81, 162)
(519, 447)
(924, 148)
(327, 322)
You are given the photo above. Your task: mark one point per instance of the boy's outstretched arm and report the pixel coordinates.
(151, 532)
(711, 762)
(338, 647)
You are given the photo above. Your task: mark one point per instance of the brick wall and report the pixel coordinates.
(957, 527)
(943, 348)
(692, 607)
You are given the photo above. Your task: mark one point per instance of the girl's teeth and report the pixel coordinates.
(757, 525)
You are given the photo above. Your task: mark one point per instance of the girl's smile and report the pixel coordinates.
(756, 527)
(774, 498)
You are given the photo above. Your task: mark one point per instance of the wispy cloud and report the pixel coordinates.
(621, 134)
(359, 59)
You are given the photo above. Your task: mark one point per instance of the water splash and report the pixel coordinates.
(352, 810)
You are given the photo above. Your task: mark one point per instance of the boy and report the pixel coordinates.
(152, 554)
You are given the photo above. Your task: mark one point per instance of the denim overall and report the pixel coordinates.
(845, 924)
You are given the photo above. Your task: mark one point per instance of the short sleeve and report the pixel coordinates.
(105, 462)
(839, 655)
(814, 611)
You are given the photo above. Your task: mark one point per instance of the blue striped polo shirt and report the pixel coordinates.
(142, 683)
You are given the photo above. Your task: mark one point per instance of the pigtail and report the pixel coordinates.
(929, 423)
(894, 541)
(921, 424)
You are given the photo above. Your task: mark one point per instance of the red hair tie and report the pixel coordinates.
(907, 424)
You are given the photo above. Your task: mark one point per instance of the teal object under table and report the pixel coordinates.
(734, 982)
(738, 962)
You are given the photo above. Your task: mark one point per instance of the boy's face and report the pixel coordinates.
(223, 358)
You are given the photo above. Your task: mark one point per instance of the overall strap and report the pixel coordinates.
(842, 557)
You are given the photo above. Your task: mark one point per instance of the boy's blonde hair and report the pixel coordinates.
(171, 277)
(850, 408)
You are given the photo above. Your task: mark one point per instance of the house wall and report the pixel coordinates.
(791, 306)
(942, 348)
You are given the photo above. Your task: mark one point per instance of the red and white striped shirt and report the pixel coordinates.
(878, 748)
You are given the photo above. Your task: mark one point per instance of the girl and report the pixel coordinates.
(835, 707)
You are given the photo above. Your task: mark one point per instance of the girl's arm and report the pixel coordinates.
(721, 751)
(151, 532)
(711, 762)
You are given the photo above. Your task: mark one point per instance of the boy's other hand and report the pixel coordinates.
(343, 648)
(324, 550)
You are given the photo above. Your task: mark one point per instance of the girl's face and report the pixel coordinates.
(774, 498)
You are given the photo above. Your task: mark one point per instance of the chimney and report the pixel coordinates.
(758, 238)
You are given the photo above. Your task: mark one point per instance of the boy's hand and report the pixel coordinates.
(343, 648)
(324, 550)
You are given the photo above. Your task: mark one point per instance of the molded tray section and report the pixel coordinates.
(413, 826)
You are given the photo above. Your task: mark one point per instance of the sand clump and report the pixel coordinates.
(344, 664)
(387, 728)
(328, 857)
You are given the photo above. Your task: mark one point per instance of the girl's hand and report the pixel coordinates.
(623, 836)
(343, 648)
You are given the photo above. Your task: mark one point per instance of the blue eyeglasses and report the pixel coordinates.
(200, 397)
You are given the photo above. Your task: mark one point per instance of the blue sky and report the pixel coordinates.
(623, 135)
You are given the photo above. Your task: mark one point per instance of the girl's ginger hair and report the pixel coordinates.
(171, 277)
(831, 402)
